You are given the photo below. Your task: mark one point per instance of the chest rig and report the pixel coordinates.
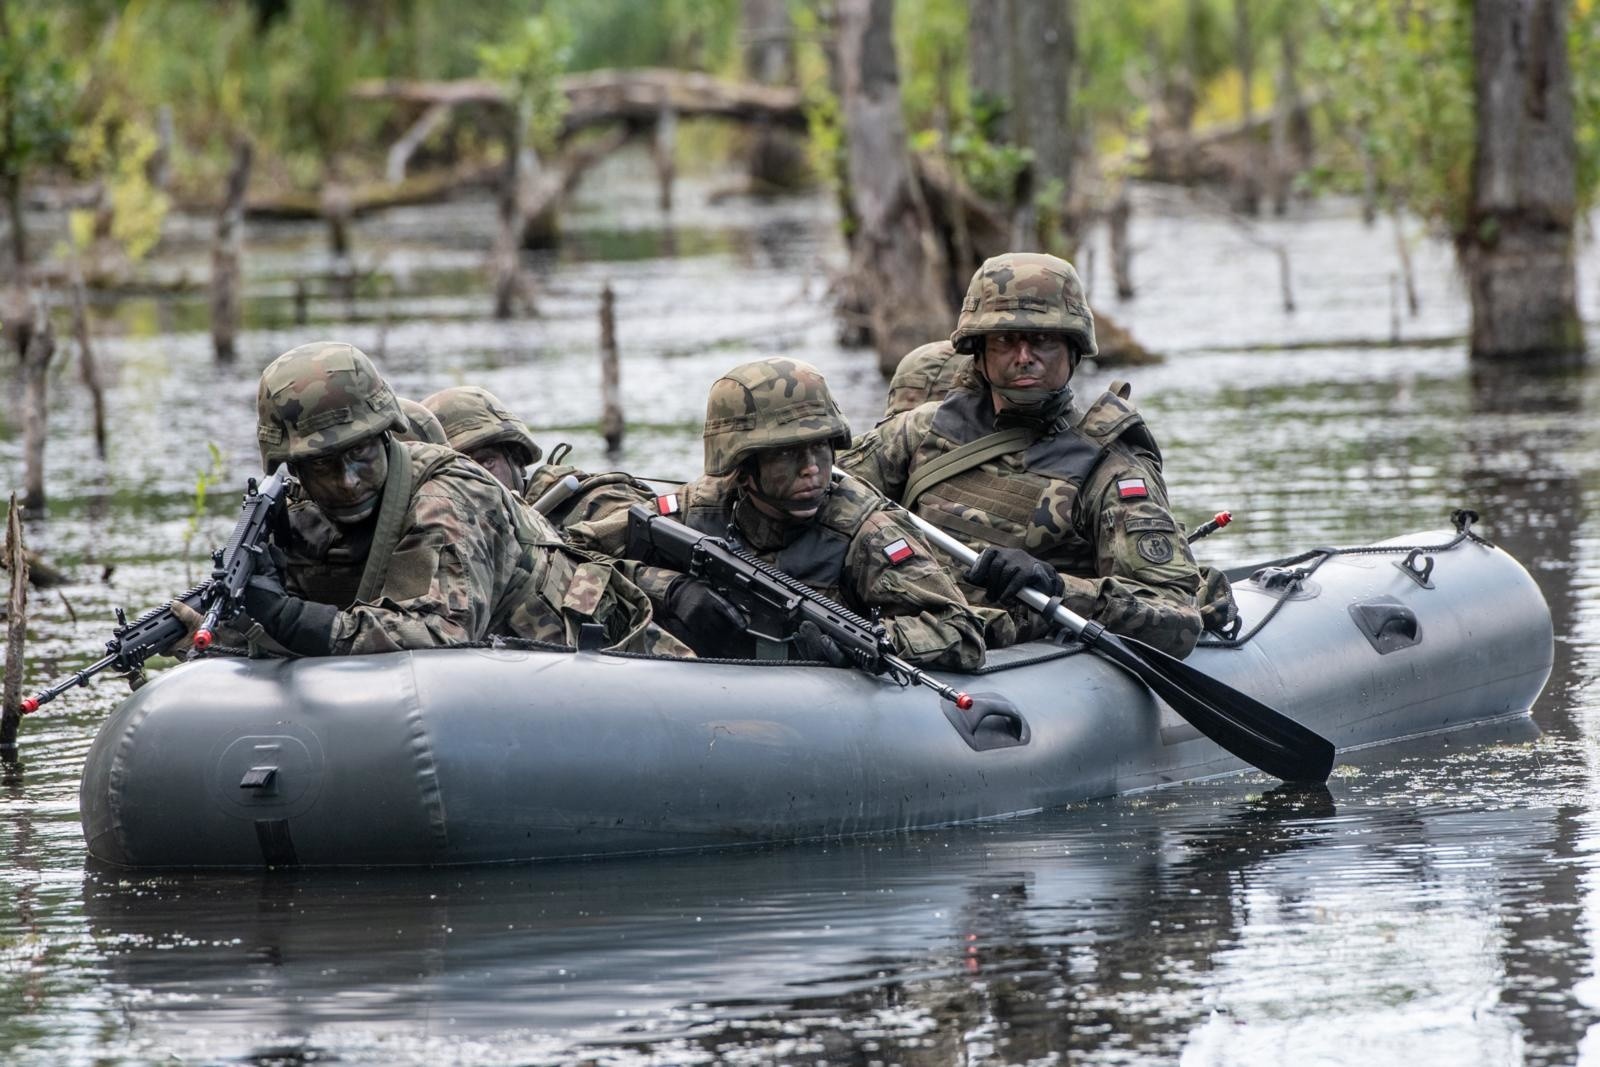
(814, 552)
(1027, 497)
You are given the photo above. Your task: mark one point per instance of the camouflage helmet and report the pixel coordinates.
(319, 399)
(771, 403)
(422, 425)
(1025, 291)
(925, 373)
(474, 418)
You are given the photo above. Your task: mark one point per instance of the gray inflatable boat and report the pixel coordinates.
(494, 755)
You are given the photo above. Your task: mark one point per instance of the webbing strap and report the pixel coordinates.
(965, 458)
(391, 522)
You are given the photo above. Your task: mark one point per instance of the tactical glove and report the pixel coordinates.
(304, 627)
(1005, 572)
(812, 643)
(704, 614)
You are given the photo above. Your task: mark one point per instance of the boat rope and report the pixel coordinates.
(1287, 576)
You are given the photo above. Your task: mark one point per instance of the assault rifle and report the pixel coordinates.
(775, 603)
(217, 599)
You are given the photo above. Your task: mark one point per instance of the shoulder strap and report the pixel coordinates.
(965, 458)
(391, 521)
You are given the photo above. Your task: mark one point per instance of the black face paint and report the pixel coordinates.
(347, 485)
(794, 481)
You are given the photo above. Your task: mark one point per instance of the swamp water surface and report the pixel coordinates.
(1436, 905)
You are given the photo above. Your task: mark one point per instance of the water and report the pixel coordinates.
(1435, 905)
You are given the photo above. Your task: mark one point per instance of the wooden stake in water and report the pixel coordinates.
(611, 424)
(16, 622)
(88, 369)
(35, 375)
(226, 303)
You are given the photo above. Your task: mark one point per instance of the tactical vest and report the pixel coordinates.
(816, 555)
(1026, 499)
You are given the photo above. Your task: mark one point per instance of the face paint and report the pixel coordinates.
(1026, 368)
(498, 461)
(347, 485)
(791, 482)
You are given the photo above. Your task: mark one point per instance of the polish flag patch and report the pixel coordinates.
(899, 551)
(667, 505)
(1131, 489)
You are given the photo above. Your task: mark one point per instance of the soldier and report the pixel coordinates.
(771, 433)
(1068, 500)
(397, 545)
(421, 424)
(483, 429)
(925, 373)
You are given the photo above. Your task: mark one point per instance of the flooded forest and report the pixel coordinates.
(1340, 257)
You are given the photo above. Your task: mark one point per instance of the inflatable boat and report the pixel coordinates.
(483, 755)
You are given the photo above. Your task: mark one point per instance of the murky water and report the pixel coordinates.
(1435, 905)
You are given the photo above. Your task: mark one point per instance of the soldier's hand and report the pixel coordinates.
(812, 643)
(1005, 572)
(302, 626)
(191, 620)
(703, 613)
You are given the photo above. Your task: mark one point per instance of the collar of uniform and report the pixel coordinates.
(1051, 417)
(761, 531)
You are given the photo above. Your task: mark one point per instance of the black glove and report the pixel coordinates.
(302, 626)
(704, 614)
(1005, 572)
(812, 643)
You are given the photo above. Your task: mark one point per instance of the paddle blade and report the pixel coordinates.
(1243, 725)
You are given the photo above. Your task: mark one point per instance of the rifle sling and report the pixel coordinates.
(392, 514)
(965, 458)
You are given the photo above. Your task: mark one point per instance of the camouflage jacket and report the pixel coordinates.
(855, 550)
(471, 562)
(598, 495)
(1086, 496)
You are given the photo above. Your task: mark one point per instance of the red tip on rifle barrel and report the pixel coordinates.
(1223, 518)
(963, 701)
(203, 639)
(30, 705)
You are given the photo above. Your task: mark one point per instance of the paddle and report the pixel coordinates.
(1241, 724)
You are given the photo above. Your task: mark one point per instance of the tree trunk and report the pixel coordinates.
(897, 265)
(612, 424)
(19, 232)
(226, 302)
(16, 630)
(1043, 54)
(777, 157)
(1286, 105)
(88, 366)
(989, 65)
(1517, 248)
(35, 376)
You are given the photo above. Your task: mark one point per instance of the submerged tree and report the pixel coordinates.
(34, 99)
(1517, 244)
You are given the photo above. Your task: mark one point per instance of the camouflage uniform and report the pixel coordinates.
(474, 418)
(924, 374)
(422, 425)
(856, 549)
(469, 562)
(1086, 496)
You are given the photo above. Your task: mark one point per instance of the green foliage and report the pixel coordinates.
(35, 94)
(204, 480)
(302, 86)
(691, 34)
(529, 61)
(1399, 95)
